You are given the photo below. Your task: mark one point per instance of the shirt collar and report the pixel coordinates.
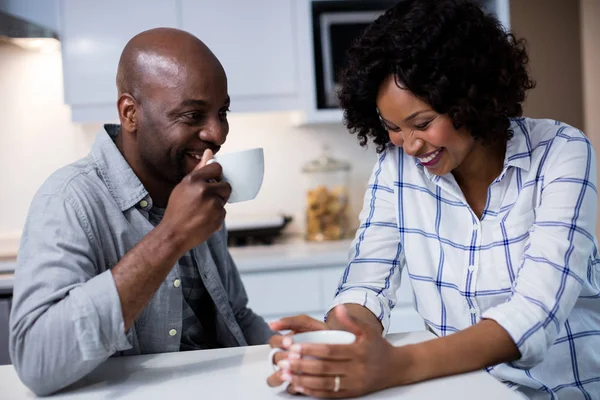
(518, 148)
(122, 183)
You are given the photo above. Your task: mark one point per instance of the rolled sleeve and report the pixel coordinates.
(376, 256)
(555, 262)
(366, 299)
(98, 318)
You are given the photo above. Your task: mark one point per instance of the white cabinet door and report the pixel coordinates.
(405, 319)
(280, 293)
(93, 34)
(330, 279)
(255, 42)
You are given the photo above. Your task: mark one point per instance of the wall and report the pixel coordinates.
(590, 34)
(37, 137)
(552, 31)
(286, 150)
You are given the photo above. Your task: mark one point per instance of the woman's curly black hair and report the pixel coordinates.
(449, 54)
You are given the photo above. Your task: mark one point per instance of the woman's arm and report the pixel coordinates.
(376, 256)
(371, 363)
(482, 345)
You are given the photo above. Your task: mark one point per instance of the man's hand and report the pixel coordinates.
(297, 324)
(194, 212)
(196, 206)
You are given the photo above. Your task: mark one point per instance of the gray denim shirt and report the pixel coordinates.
(66, 317)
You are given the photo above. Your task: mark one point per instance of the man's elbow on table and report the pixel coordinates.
(39, 368)
(30, 368)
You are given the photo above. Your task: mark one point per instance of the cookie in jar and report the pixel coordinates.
(326, 198)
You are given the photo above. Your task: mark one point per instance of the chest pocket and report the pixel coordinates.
(511, 235)
(516, 224)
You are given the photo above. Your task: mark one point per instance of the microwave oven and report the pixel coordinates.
(336, 24)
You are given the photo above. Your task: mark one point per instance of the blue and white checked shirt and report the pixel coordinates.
(530, 263)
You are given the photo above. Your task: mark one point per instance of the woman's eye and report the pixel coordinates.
(389, 128)
(423, 125)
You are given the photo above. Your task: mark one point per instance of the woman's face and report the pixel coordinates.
(423, 133)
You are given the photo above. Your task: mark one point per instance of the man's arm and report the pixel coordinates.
(195, 211)
(66, 318)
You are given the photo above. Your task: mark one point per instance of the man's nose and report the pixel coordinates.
(215, 132)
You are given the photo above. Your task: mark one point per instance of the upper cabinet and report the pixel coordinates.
(258, 53)
(93, 34)
(255, 42)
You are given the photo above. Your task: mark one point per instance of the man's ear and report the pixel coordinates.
(128, 109)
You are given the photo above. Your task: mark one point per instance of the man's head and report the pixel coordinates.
(173, 104)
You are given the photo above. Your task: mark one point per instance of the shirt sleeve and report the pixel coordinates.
(66, 319)
(376, 257)
(556, 259)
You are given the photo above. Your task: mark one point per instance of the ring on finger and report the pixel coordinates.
(336, 384)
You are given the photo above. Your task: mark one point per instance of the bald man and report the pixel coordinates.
(123, 252)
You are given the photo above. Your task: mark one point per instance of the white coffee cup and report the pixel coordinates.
(244, 171)
(324, 337)
(317, 337)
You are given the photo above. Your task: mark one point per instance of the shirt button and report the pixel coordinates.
(475, 226)
(176, 282)
(143, 204)
(472, 268)
(172, 332)
(473, 311)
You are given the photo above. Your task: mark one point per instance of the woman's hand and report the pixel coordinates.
(368, 365)
(297, 324)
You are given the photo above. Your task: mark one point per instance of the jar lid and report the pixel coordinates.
(325, 163)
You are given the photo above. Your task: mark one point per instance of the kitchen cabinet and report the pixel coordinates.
(257, 53)
(255, 42)
(5, 304)
(93, 34)
(274, 294)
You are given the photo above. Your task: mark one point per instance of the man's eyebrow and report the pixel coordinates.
(194, 102)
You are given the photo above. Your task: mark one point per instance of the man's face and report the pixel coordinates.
(180, 117)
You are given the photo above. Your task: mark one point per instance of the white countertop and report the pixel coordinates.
(7, 266)
(234, 373)
(7, 280)
(293, 253)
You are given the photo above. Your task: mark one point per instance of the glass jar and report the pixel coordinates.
(326, 198)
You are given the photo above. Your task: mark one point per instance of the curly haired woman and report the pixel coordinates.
(492, 214)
